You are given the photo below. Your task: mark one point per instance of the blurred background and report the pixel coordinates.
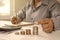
(9, 8)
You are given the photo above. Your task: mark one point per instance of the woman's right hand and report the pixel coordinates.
(14, 20)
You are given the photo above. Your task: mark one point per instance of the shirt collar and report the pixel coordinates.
(42, 2)
(39, 4)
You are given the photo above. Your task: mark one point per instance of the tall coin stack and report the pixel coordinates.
(35, 30)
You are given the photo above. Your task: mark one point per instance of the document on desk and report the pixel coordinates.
(20, 24)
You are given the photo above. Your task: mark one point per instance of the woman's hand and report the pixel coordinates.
(47, 25)
(14, 20)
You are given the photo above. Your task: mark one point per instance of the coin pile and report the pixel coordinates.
(28, 31)
(35, 30)
(22, 32)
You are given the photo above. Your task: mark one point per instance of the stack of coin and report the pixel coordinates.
(16, 33)
(22, 32)
(35, 30)
(28, 31)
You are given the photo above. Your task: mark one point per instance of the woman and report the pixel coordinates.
(45, 12)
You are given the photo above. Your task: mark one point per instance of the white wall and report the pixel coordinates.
(19, 4)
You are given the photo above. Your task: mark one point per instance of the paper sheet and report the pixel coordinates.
(20, 24)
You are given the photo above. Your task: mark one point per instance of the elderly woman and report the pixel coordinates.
(45, 12)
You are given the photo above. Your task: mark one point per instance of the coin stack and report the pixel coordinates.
(22, 32)
(16, 33)
(35, 30)
(28, 31)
